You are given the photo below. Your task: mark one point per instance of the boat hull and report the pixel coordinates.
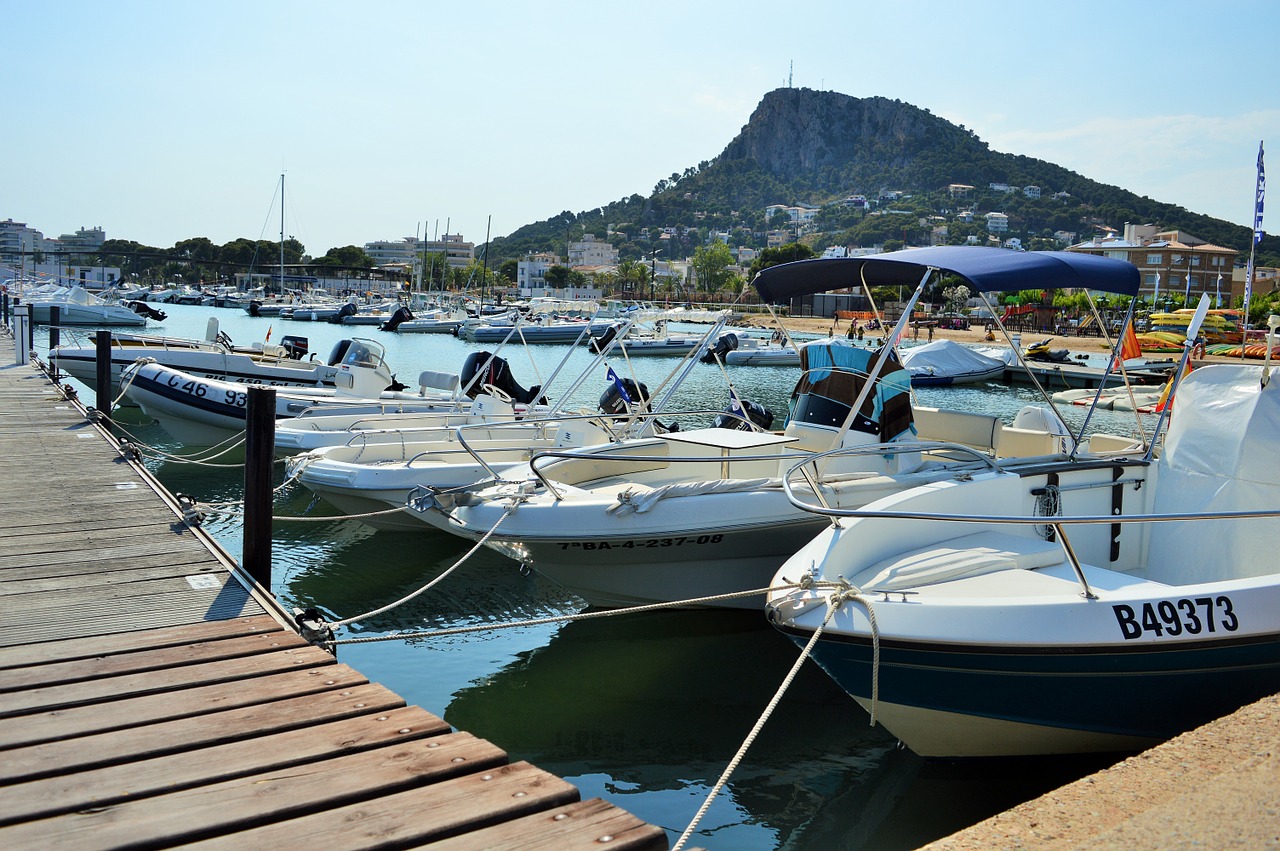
(654, 564)
(207, 412)
(950, 700)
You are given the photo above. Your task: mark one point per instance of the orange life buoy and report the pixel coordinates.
(1197, 351)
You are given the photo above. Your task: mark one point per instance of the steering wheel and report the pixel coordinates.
(497, 393)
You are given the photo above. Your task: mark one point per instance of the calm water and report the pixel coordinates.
(642, 710)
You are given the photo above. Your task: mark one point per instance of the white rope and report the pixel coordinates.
(833, 604)
(579, 616)
(480, 543)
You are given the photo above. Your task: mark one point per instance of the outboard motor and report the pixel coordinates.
(255, 307)
(724, 345)
(498, 374)
(402, 314)
(732, 418)
(296, 347)
(597, 344)
(143, 309)
(348, 309)
(613, 403)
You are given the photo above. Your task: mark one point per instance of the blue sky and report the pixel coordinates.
(162, 121)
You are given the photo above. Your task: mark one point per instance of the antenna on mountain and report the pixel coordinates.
(791, 65)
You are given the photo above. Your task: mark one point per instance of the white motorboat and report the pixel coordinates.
(702, 513)
(213, 357)
(945, 362)
(1065, 607)
(644, 339)
(78, 306)
(739, 349)
(207, 411)
(381, 470)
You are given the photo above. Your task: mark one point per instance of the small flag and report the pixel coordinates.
(1129, 346)
(1257, 210)
(617, 383)
(268, 338)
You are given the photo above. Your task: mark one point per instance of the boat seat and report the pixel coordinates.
(980, 431)
(958, 558)
(1026, 442)
(430, 379)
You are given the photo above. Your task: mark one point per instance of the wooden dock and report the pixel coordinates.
(151, 698)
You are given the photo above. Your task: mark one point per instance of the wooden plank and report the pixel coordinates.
(179, 607)
(186, 734)
(589, 824)
(89, 720)
(75, 567)
(207, 811)
(152, 682)
(416, 816)
(61, 651)
(139, 779)
(101, 579)
(119, 664)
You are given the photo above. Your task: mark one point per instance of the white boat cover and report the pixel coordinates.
(1219, 455)
(947, 358)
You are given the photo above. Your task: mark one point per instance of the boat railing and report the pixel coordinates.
(602, 421)
(577, 453)
(1058, 523)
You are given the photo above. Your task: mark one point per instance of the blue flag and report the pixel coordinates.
(617, 383)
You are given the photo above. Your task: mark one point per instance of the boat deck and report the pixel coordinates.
(151, 697)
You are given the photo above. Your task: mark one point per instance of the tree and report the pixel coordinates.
(782, 254)
(510, 269)
(350, 256)
(557, 276)
(710, 266)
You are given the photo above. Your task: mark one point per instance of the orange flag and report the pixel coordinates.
(267, 339)
(1129, 347)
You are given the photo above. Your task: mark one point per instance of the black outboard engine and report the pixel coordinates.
(732, 418)
(497, 373)
(346, 310)
(143, 309)
(297, 347)
(597, 344)
(402, 314)
(724, 345)
(613, 403)
(255, 307)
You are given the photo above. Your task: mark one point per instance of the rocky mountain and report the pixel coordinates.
(817, 147)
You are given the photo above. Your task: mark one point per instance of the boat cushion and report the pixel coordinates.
(958, 558)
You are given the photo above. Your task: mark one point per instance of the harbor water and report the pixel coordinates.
(643, 710)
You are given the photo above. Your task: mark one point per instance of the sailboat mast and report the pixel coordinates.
(282, 233)
(484, 268)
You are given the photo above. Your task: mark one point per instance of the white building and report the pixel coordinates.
(458, 252)
(590, 251)
(997, 222)
(532, 270)
(1032, 192)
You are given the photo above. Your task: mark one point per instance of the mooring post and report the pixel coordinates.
(55, 332)
(102, 355)
(259, 455)
(21, 346)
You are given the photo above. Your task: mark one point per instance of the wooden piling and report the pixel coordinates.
(259, 453)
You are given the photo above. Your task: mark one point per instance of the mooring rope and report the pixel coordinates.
(833, 605)
(578, 616)
(468, 554)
